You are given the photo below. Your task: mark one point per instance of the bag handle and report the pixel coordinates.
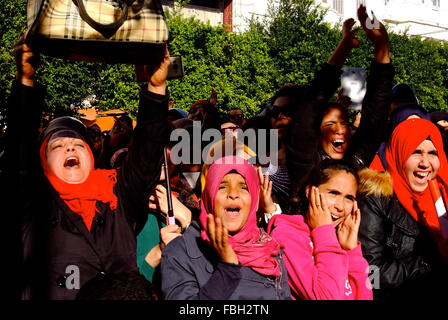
(107, 30)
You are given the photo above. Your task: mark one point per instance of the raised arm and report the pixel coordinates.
(141, 169)
(25, 107)
(376, 103)
(303, 139)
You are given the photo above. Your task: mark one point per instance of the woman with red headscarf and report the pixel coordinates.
(400, 230)
(225, 256)
(78, 222)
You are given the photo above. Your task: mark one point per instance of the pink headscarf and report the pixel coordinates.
(253, 247)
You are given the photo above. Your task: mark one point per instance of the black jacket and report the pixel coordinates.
(407, 257)
(55, 240)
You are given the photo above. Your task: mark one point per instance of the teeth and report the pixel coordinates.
(71, 161)
(338, 141)
(421, 175)
(334, 217)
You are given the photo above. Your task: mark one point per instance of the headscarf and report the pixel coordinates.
(237, 148)
(81, 198)
(404, 140)
(253, 247)
(400, 114)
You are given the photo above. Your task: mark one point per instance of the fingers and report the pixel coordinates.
(313, 198)
(270, 188)
(168, 233)
(219, 231)
(355, 206)
(211, 227)
(260, 176)
(362, 15)
(349, 23)
(357, 218)
(323, 201)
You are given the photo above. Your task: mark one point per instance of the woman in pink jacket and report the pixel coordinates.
(322, 253)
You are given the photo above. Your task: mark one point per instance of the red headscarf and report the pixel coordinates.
(81, 198)
(253, 247)
(404, 140)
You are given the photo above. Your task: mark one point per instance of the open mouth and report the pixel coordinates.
(337, 145)
(71, 162)
(232, 212)
(334, 218)
(421, 177)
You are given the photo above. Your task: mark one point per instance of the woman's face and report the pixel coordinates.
(232, 202)
(422, 166)
(335, 134)
(340, 192)
(282, 121)
(69, 159)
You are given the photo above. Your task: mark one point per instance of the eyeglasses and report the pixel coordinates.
(287, 110)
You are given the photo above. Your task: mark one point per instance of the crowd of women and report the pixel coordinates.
(348, 212)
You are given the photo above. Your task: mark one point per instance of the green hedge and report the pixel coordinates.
(244, 69)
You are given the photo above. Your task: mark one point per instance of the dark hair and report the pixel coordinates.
(294, 91)
(321, 173)
(126, 120)
(336, 105)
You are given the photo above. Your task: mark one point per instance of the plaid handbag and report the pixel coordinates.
(115, 31)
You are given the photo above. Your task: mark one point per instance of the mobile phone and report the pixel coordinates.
(354, 85)
(175, 70)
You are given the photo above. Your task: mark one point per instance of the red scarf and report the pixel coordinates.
(404, 140)
(81, 198)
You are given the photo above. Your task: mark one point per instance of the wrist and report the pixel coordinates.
(271, 208)
(381, 54)
(159, 89)
(25, 81)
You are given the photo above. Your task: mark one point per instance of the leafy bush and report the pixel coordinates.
(244, 69)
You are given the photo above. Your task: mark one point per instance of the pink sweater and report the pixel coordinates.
(318, 268)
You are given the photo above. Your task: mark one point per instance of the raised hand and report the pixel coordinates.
(157, 75)
(168, 233)
(27, 62)
(159, 201)
(375, 32)
(348, 229)
(266, 202)
(220, 240)
(318, 212)
(347, 43)
(348, 34)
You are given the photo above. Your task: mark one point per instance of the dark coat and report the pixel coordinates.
(190, 270)
(55, 240)
(407, 257)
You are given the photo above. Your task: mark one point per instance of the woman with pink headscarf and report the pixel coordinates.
(225, 256)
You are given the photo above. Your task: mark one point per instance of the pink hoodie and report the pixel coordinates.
(318, 268)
